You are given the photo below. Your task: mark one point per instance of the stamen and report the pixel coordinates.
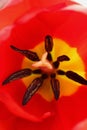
(17, 75)
(32, 89)
(60, 72)
(74, 76)
(49, 57)
(63, 58)
(56, 64)
(53, 75)
(60, 59)
(44, 76)
(38, 71)
(29, 54)
(55, 87)
(48, 43)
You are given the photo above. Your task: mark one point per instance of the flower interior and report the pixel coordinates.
(52, 69)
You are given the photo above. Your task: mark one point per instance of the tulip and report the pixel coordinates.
(43, 69)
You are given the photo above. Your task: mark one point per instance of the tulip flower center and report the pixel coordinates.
(52, 69)
(69, 60)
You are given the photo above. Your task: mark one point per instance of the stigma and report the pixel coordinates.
(44, 64)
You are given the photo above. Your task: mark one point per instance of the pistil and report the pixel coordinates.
(44, 64)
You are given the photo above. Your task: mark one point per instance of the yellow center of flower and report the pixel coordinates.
(75, 64)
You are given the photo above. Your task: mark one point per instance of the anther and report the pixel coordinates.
(29, 54)
(74, 76)
(32, 89)
(63, 58)
(17, 75)
(55, 87)
(48, 43)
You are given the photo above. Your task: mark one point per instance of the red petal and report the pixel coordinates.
(4, 113)
(33, 111)
(73, 109)
(7, 124)
(44, 3)
(69, 111)
(8, 15)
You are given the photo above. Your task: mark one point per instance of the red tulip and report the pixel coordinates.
(60, 31)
